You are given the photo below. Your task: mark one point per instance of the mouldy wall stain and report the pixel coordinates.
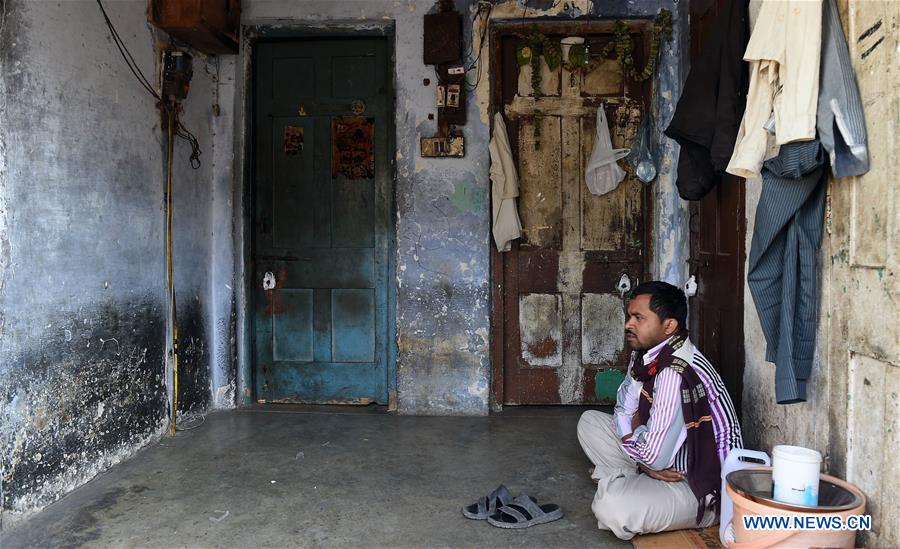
(193, 360)
(82, 366)
(76, 404)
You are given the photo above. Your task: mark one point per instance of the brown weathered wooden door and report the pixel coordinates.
(558, 307)
(717, 252)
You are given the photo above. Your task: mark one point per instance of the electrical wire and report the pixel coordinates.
(475, 63)
(184, 133)
(126, 55)
(180, 129)
(170, 268)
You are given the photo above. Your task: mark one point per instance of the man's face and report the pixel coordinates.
(643, 328)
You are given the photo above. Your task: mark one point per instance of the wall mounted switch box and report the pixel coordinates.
(177, 73)
(442, 42)
(437, 147)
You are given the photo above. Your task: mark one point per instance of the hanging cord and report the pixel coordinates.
(180, 129)
(170, 271)
(486, 8)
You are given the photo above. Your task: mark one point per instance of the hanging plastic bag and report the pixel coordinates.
(643, 152)
(603, 174)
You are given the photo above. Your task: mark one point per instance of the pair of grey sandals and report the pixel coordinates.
(503, 510)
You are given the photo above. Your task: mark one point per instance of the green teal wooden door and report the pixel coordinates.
(321, 233)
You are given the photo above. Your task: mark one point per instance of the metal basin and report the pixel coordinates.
(756, 484)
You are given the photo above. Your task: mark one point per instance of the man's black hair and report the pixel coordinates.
(666, 301)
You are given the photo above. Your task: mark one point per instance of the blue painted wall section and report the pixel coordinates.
(83, 380)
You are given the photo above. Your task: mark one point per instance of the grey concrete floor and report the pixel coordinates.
(317, 476)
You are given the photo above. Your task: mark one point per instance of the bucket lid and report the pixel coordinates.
(756, 484)
(796, 453)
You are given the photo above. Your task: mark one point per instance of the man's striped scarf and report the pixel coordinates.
(704, 470)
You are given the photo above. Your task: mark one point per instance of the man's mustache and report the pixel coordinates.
(629, 332)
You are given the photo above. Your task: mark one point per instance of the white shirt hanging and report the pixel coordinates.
(505, 226)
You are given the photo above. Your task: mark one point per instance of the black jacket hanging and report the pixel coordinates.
(709, 112)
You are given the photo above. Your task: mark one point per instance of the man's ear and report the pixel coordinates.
(670, 326)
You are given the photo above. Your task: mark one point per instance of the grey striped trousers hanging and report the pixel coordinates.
(783, 270)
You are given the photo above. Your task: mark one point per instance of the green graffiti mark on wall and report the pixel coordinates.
(468, 198)
(606, 383)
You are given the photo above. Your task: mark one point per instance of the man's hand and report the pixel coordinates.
(635, 422)
(667, 475)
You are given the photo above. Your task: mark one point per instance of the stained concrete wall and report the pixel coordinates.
(443, 217)
(853, 406)
(83, 379)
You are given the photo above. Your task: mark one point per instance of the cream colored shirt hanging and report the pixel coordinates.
(505, 225)
(784, 52)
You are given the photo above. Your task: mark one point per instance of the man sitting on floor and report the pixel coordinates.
(657, 459)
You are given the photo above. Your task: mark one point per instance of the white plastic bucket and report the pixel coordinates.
(795, 475)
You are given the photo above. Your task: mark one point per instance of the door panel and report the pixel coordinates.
(717, 232)
(540, 316)
(353, 326)
(540, 185)
(321, 331)
(292, 329)
(560, 315)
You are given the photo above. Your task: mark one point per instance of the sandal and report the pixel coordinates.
(487, 505)
(523, 512)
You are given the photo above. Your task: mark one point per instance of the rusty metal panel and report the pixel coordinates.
(602, 335)
(614, 220)
(540, 171)
(540, 325)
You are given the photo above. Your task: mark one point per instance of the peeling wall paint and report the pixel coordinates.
(222, 284)
(83, 382)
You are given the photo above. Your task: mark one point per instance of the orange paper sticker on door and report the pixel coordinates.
(293, 140)
(353, 147)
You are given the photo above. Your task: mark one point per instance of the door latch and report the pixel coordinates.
(268, 281)
(690, 287)
(624, 285)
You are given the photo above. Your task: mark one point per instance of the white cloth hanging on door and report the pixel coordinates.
(505, 226)
(603, 173)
